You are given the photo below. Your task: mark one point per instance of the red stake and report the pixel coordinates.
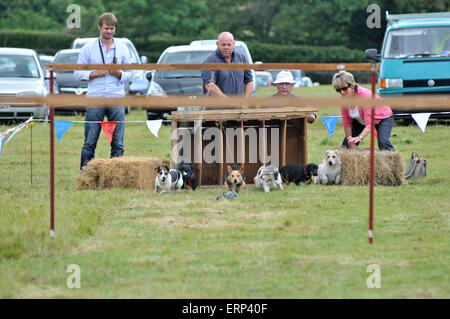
(372, 159)
(52, 163)
(31, 152)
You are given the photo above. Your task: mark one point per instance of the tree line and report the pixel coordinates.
(319, 23)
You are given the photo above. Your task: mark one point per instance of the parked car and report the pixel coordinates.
(414, 58)
(139, 85)
(66, 80)
(302, 80)
(184, 82)
(47, 59)
(21, 75)
(263, 78)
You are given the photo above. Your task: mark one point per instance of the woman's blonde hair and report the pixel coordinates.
(342, 79)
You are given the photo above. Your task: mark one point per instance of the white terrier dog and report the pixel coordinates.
(329, 171)
(268, 177)
(167, 180)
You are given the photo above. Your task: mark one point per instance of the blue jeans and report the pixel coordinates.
(384, 128)
(92, 132)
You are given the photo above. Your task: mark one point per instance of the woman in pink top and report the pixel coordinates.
(357, 119)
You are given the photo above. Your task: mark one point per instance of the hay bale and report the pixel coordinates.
(355, 168)
(120, 172)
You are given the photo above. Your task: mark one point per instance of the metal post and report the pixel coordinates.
(372, 158)
(52, 163)
(31, 152)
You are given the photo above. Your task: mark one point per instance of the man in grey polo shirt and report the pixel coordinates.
(227, 82)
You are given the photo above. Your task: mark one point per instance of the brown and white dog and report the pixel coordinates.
(168, 180)
(235, 177)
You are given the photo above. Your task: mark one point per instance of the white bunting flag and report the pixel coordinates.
(18, 128)
(2, 137)
(154, 126)
(421, 119)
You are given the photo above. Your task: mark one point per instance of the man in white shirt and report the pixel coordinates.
(104, 83)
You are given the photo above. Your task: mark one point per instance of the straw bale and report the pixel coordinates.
(355, 169)
(120, 172)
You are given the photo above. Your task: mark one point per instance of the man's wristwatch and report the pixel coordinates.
(361, 138)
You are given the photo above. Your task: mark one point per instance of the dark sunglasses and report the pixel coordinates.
(343, 89)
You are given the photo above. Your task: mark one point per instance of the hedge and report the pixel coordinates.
(50, 42)
(43, 42)
(276, 53)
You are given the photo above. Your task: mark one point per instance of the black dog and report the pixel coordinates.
(298, 173)
(189, 176)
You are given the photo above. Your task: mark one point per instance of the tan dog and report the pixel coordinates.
(235, 178)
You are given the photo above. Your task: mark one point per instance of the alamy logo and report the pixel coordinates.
(74, 279)
(74, 20)
(374, 280)
(258, 141)
(373, 20)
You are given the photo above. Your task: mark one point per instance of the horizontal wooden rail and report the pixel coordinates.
(217, 66)
(170, 103)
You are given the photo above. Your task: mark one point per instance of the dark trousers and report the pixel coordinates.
(92, 132)
(384, 128)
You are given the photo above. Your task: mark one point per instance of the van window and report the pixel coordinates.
(410, 42)
(190, 57)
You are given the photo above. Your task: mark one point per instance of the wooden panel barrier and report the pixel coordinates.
(284, 142)
(216, 66)
(422, 102)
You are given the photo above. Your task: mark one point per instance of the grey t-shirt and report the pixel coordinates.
(231, 82)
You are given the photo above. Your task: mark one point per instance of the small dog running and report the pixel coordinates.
(298, 173)
(268, 177)
(329, 171)
(189, 176)
(168, 180)
(234, 178)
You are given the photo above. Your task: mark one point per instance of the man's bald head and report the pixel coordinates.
(225, 36)
(225, 44)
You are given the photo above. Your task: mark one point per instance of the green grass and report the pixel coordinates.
(306, 242)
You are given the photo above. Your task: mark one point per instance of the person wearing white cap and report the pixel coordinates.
(285, 82)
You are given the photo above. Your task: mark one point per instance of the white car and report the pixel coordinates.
(21, 75)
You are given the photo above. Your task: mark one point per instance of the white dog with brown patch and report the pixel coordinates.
(168, 180)
(329, 171)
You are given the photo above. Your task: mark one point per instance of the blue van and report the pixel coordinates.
(415, 57)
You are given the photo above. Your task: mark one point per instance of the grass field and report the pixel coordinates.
(306, 242)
